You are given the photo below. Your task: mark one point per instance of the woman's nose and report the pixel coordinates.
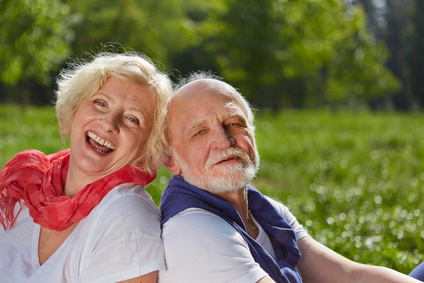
(110, 122)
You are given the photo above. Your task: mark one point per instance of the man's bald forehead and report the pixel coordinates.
(208, 86)
(205, 85)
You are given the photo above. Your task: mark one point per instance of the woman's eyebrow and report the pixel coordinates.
(102, 95)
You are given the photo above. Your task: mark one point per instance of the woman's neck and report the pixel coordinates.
(76, 180)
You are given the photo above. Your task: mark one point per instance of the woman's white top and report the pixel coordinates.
(118, 240)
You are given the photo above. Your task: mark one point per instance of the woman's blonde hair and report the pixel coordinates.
(80, 80)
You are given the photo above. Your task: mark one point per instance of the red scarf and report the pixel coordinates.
(38, 180)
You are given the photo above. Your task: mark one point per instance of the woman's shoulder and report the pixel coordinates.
(128, 200)
(128, 191)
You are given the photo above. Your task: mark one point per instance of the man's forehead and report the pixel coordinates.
(195, 99)
(203, 112)
(185, 122)
(207, 86)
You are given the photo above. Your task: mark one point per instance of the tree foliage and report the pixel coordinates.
(279, 53)
(34, 38)
(149, 26)
(277, 46)
(390, 21)
(416, 55)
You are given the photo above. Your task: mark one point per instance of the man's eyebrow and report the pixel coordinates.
(190, 129)
(235, 115)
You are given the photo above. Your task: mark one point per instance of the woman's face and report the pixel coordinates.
(110, 129)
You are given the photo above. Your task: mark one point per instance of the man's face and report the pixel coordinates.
(213, 147)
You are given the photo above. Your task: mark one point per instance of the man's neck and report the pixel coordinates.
(238, 199)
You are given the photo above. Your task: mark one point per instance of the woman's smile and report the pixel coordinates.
(99, 144)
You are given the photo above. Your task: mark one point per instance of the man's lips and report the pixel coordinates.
(228, 159)
(231, 155)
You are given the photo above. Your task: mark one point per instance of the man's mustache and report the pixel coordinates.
(227, 154)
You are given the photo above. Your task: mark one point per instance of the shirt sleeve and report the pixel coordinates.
(298, 229)
(125, 240)
(202, 247)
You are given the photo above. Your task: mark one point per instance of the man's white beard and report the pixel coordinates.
(229, 178)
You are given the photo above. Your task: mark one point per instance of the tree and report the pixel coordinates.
(34, 39)
(416, 56)
(394, 36)
(297, 52)
(150, 26)
(357, 69)
(390, 22)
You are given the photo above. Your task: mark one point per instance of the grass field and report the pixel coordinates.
(354, 180)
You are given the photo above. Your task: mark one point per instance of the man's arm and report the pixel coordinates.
(320, 264)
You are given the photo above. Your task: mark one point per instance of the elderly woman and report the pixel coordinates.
(82, 214)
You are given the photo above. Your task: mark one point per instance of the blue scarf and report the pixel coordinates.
(180, 195)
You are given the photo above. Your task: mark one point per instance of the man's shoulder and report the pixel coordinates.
(196, 218)
(195, 225)
(278, 205)
(212, 249)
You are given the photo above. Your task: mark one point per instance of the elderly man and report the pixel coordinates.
(218, 228)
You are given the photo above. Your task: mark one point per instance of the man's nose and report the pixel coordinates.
(222, 139)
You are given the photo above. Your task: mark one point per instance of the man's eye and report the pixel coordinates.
(199, 133)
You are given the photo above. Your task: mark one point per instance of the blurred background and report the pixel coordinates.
(340, 54)
(340, 85)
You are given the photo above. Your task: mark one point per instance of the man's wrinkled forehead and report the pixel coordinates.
(230, 109)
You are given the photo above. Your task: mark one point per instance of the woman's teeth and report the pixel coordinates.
(101, 141)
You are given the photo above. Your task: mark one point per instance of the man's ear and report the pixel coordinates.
(172, 165)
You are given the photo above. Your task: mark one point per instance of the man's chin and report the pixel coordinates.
(218, 185)
(233, 178)
(222, 184)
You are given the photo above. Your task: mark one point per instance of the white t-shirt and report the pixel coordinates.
(202, 247)
(118, 240)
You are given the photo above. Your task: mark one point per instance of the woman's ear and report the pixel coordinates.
(172, 165)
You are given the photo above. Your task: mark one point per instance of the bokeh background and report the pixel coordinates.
(337, 84)
(279, 53)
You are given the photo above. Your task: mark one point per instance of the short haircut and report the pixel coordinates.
(198, 75)
(81, 79)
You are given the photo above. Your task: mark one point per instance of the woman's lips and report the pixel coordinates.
(99, 144)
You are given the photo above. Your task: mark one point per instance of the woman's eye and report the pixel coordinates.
(98, 102)
(133, 120)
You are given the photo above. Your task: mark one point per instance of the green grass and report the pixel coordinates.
(29, 128)
(354, 180)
